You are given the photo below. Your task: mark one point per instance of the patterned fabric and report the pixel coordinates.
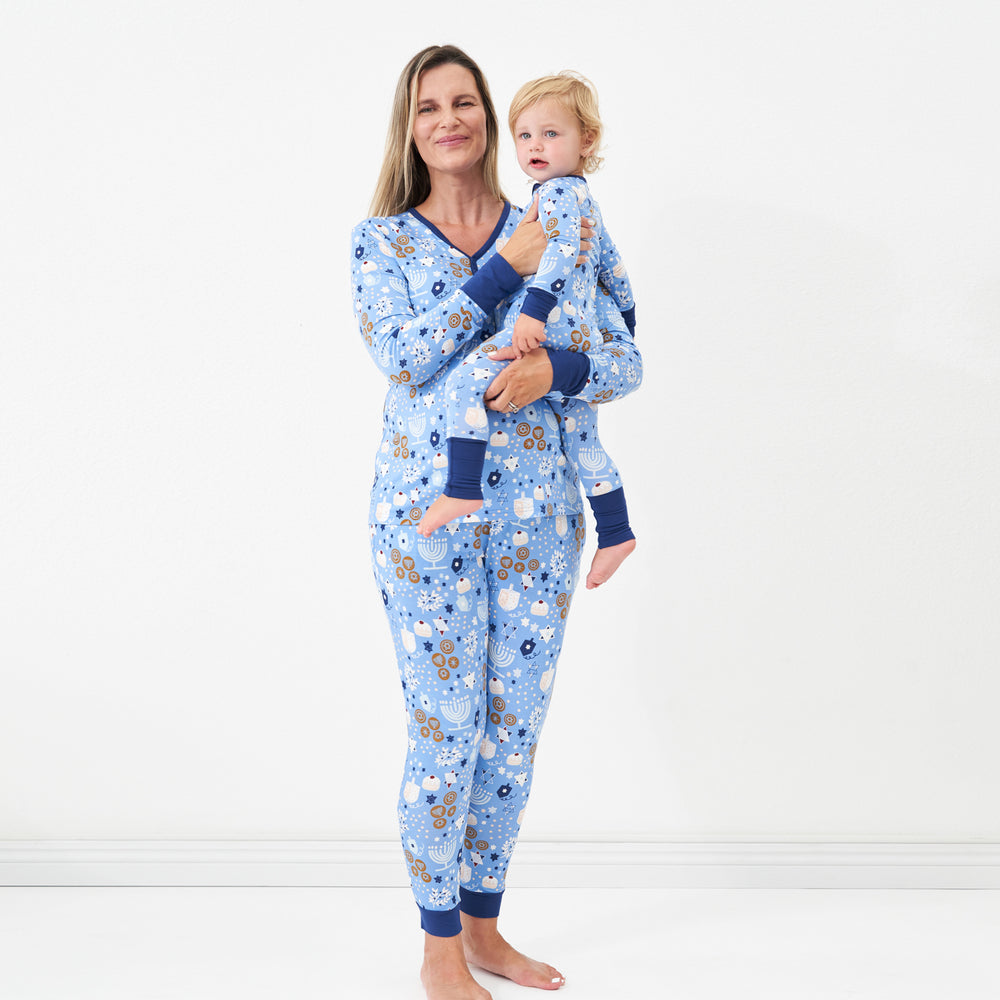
(418, 321)
(566, 299)
(562, 202)
(477, 615)
(481, 606)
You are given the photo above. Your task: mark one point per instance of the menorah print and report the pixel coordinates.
(433, 550)
(592, 459)
(444, 855)
(501, 656)
(480, 796)
(457, 711)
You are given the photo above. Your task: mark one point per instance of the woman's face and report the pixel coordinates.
(449, 129)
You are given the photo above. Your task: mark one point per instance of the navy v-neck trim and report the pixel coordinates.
(490, 240)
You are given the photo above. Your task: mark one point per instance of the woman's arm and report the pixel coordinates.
(408, 346)
(608, 371)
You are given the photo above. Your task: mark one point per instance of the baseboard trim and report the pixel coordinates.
(537, 864)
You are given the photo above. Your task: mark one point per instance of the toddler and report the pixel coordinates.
(557, 132)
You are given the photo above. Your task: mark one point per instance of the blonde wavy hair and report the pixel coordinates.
(404, 181)
(577, 95)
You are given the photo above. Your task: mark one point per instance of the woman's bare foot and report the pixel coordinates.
(443, 510)
(606, 561)
(486, 948)
(445, 973)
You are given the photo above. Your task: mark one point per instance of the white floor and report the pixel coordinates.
(681, 944)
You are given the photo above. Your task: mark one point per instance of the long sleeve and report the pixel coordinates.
(411, 343)
(559, 213)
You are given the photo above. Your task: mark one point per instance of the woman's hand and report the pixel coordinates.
(521, 382)
(586, 235)
(523, 251)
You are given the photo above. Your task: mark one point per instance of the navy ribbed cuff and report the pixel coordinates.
(480, 904)
(492, 283)
(441, 923)
(465, 468)
(611, 515)
(629, 317)
(538, 303)
(570, 371)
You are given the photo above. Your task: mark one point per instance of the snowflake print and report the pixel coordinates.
(534, 720)
(448, 756)
(471, 645)
(439, 897)
(427, 601)
(421, 352)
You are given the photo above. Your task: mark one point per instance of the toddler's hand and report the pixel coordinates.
(505, 354)
(529, 333)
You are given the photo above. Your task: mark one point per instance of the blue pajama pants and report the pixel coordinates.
(477, 615)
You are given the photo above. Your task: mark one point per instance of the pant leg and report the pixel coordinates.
(435, 594)
(465, 411)
(531, 569)
(582, 445)
(596, 472)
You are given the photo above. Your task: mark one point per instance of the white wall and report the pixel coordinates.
(805, 645)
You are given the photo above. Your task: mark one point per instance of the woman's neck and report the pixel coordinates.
(460, 202)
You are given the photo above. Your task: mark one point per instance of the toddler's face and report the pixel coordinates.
(549, 141)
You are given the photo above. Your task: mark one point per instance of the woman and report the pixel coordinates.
(477, 612)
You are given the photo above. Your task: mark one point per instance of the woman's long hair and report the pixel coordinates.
(404, 181)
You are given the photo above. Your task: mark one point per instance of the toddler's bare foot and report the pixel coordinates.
(443, 510)
(606, 561)
(491, 952)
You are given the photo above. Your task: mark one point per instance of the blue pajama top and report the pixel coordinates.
(422, 305)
